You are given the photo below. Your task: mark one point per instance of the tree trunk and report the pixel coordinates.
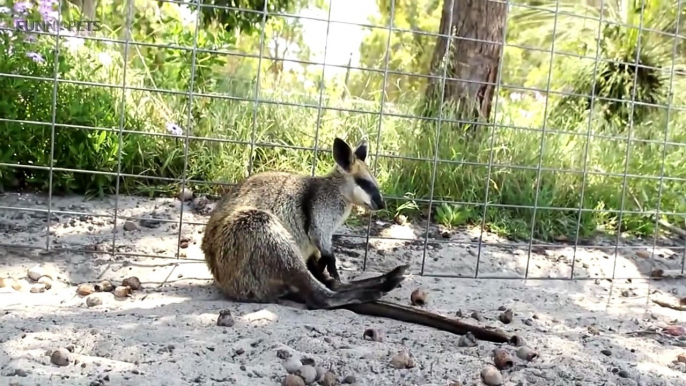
(474, 61)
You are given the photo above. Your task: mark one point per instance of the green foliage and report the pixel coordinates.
(627, 55)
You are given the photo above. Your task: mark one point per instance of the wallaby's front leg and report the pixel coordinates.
(327, 260)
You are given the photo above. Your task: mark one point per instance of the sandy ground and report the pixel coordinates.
(166, 332)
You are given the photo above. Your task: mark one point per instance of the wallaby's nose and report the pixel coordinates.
(380, 203)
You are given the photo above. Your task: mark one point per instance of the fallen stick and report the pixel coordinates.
(669, 305)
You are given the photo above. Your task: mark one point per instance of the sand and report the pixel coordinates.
(586, 332)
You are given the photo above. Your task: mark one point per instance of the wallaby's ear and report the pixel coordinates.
(343, 154)
(361, 150)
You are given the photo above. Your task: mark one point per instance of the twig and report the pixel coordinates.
(676, 230)
(672, 306)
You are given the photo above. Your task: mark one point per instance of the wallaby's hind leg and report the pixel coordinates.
(306, 287)
(385, 282)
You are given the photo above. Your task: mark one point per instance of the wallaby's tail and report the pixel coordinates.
(412, 315)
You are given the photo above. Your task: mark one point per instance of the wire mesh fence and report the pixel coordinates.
(563, 180)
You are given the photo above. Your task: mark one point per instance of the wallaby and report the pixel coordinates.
(270, 238)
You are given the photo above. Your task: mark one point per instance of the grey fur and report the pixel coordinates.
(271, 236)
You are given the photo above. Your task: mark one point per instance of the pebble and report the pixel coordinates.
(329, 379)
(320, 372)
(36, 289)
(46, 281)
(85, 289)
(185, 194)
(292, 365)
(93, 301)
(506, 317)
(307, 373)
(402, 360)
(372, 334)
(60, 357)
(130, 226)
(350, 379)
(418, 297)
(293, 380)
(6, 282)
(36, 272)
(225, 319)
(606, 352)
(132, 282)
(491, 376)
(467, 340)
(122, 291)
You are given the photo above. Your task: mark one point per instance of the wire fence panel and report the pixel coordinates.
(546, 143)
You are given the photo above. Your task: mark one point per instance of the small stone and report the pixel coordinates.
(418, 297)
(373, 335)
(292, 365)
(320, 372)
(329, 379)
(185, 194)
(502, 359)
(526, 354)
(681, 358)
(183, 244)
(349, 379)
(104, 286)
(122, 291)
(293, 380)
(445, 234)
(623, 374)
(606, 352)
(46, 281)
(643, 254)
(491, 376)
(225, 319)
(6, 282)
(517, 341)
(60, 357)
(85, 289)
(657, 273)
(307, 373)
(400, 219)
(132, 282)
(476, 316)
(130, 226)
(34, 273)
(20, 285)
(37, 289)
(467, 340)
(93, 300)
(402, 360)
(529, 322)
(506, 317)
(199, 203)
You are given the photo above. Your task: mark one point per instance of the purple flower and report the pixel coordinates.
(174, 129)
(30, 38)
(36, 57)
(22, 6)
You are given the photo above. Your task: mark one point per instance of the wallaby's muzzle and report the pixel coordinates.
(378, 202)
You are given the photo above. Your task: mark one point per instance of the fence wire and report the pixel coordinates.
(442, 75)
